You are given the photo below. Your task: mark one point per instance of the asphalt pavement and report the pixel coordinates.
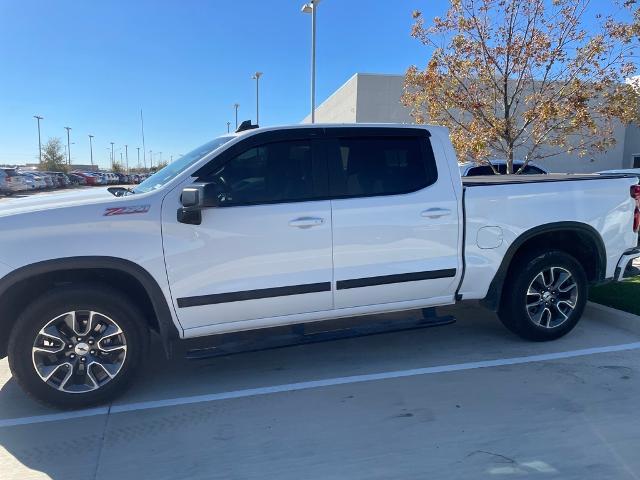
(465, 401)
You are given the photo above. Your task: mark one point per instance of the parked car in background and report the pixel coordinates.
(4, 187)
(89, 178)
(15, 182)
(123, 178)
(76, 179)
(28, 182)
(471, 169)
(39, 182)
(49, 180)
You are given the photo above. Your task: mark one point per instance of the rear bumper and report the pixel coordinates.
(625, 268)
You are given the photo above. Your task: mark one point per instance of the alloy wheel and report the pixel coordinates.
(79, 351)
(551, 297)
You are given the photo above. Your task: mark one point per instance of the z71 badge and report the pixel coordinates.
(109, 212)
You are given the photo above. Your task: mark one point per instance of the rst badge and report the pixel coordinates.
(109, 212)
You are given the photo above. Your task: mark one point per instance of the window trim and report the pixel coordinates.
(320, 139)
(426, 152)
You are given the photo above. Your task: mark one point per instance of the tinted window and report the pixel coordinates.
(636, 161)
(271, 173)
(367, 166)
(482, 170)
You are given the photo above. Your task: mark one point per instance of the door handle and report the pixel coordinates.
(306, 222)
(435, 212)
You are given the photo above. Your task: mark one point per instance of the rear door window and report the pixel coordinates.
(363, 166)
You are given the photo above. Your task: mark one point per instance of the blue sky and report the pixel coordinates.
(92, 65)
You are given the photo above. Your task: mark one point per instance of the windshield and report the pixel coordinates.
(172, 170)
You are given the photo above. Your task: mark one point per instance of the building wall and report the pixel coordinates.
(375, 98)
(340, 107)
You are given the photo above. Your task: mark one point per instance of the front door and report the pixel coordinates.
(266, 251)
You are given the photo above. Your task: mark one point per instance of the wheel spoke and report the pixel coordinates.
(47, 371)
(539, 317)
(535, 303)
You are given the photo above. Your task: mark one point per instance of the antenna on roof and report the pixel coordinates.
(246, 125)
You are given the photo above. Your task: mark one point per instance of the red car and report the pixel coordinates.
(90, 179)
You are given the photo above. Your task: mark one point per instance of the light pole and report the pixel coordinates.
(126, 156)
(144, 155)
(138, 148)
(150, 159)
(256, 77)
(236, 106)
(311, 8)
(112, 157)
(38, 118)
(228, 126)
(91, 148)
(68, 145)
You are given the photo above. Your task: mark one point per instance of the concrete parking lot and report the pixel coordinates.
(468, 400)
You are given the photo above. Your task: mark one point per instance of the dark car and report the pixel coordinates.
(471, 169)
(76, 179)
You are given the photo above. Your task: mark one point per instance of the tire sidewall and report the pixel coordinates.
(527, 270)
(58, 302)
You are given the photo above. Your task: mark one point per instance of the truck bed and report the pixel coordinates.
(484, 180)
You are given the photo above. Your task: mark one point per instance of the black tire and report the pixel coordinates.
(112, 306)
(513, 311)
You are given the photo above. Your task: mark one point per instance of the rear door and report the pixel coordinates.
(395, 223)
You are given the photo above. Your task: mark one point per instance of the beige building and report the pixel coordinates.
(375, 98)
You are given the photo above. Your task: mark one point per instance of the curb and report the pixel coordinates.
(618, 318)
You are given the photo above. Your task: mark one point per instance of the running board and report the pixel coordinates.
(298, 335)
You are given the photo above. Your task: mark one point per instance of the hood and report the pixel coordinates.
(49, 201)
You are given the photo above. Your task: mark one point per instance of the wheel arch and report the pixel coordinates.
(133, 280)
(578, 239)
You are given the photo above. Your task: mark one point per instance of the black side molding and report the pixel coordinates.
(398, 278)
(253, 294)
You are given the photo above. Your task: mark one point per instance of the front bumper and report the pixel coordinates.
(625, 268)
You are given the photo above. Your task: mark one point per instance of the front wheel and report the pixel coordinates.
(77, 346)
(544, 296)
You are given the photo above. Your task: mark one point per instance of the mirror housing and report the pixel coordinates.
(196, 197)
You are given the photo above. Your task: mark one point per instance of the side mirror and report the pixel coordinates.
(196, 197)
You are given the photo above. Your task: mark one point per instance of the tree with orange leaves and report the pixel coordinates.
(524, 78)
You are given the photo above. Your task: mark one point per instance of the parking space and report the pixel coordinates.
(468, 400)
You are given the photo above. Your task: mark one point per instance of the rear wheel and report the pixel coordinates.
(77, 346)
(544, 296)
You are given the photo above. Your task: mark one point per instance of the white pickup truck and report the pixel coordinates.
(287, 225)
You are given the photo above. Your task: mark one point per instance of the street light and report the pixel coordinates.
(311, 8)
(228, 126)
(68, 144)
(112, 157)
(138, 148)
(150, 159)
(256, 77)
(236, 106)
(91, 147)
(38, 118)
(126, 155)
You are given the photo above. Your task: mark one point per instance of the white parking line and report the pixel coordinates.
(293, 387)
